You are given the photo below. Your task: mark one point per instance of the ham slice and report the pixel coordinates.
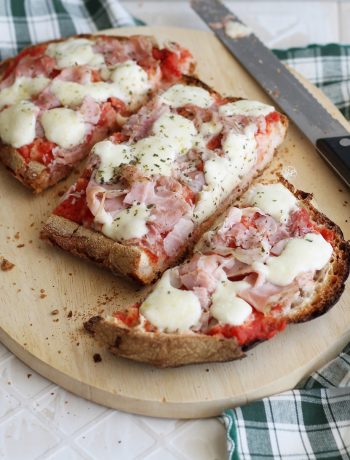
(90, 110)
(177, 237)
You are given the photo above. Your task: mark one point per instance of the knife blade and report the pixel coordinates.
(328, 135)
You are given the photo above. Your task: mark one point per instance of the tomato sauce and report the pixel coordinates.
(75, 208)
(261, 327)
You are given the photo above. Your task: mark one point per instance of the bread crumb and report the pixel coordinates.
(55, 312)
(20, 245)
(42, 296)
(97, 358)
(17, 236)
(6, 265)
(70, 314)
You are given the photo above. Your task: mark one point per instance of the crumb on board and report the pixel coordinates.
(97, 358)
(42, 296)
(20, 245)
(17, 236)
(70, 314)
(6, 265)
(55, 312)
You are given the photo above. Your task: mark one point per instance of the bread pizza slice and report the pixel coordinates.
(57, 99)
(151, 190)
(271, 260)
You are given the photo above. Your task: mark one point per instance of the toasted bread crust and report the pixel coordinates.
(83, 242)
(33, 174)
(162, 350)
(158, 348)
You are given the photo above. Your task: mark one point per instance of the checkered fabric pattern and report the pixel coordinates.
(309, 422)
(327, 66)
(24, 22)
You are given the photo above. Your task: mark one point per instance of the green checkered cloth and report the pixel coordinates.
(24, 22)
(327, 66)
(309, 422)
(313, 420)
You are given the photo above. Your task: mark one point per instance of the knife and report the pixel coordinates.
(330, 138)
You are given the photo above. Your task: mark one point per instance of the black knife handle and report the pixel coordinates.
(336, 151)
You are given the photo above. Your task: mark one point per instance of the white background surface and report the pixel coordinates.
(38, 420)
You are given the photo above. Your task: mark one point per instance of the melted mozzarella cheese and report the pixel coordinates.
(22, 88)
(171, 309)
(273, 199)
(246, 108)
(129, 223)
(226, 307)
(180, 95)
(17, 124)
(111, 157)
(223, 174)
(131, 79)
(206, 132)
(71, 94)
(64, 127)
(178, 130)
(129, 84)
(155, 155)
(77, 51)
(210, 129)
(300, 255)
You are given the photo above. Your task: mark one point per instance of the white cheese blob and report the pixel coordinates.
(246, 108)
(226, 307)
(17, 124)
(210, 129)
(235, 29)
(22, 88)
(111, 157)
(64, 127)
(129, 223)
(131, 79)
(77, 51)
(71, 94)
(129, 84)
(171, 309)
(178, 130)
(274, 199)
(155, 155)
(223, 174)
(180, 95)
(300, 255)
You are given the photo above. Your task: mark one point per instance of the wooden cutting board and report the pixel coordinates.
(46, 279)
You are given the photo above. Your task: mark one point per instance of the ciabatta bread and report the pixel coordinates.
(182, 205)
(147, 332)
(60, 97)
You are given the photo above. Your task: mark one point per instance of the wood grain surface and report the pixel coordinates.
(48, 294)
